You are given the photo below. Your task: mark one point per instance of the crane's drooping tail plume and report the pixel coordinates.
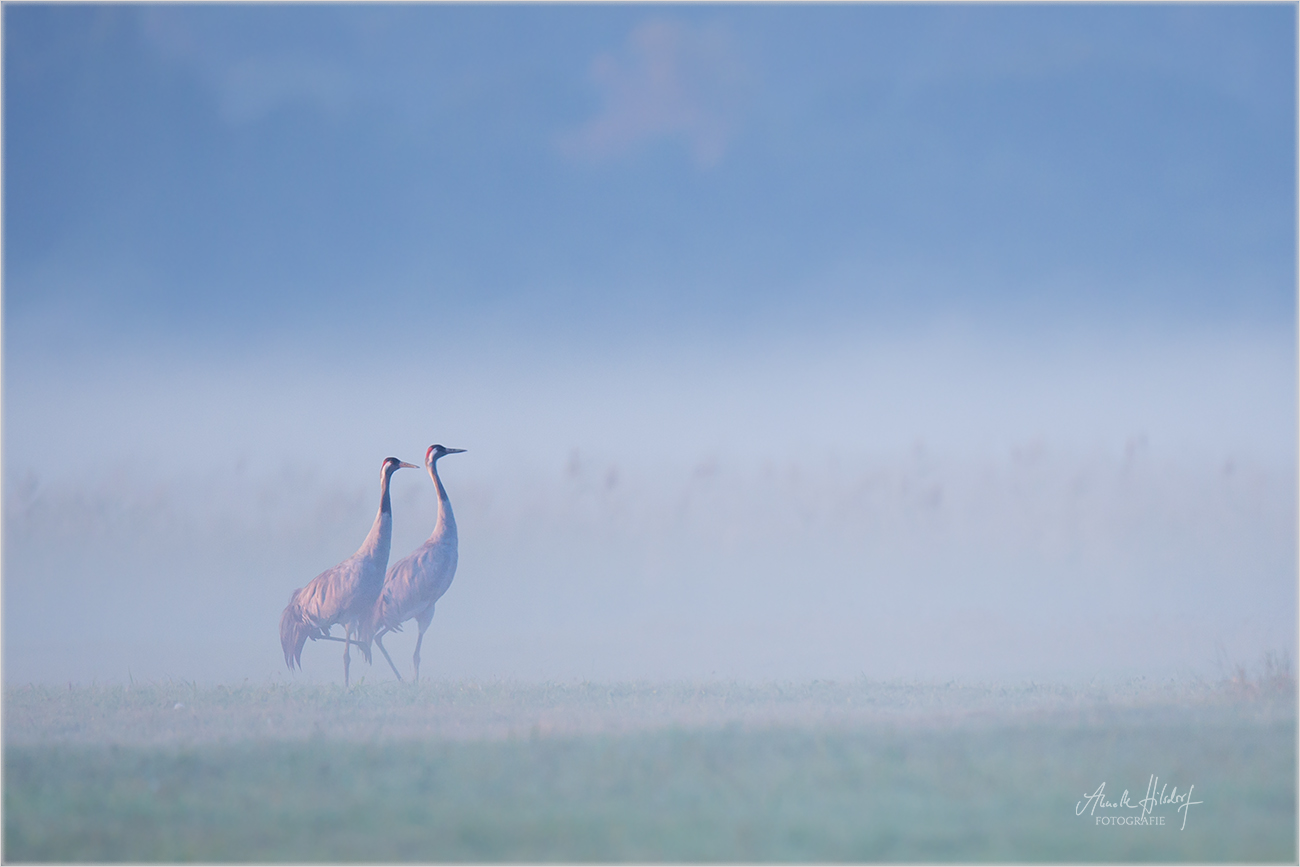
(294, 632)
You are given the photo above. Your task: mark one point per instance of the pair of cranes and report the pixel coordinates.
(359, 595)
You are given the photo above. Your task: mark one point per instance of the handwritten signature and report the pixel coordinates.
(1154, 798)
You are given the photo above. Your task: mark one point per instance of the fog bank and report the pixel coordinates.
(939, 505)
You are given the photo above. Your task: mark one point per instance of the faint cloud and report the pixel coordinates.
(249, 82)
(670, 82)
(255, 86)
(168, 30)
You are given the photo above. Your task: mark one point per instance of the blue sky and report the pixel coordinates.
(638, 257)
(183, 167)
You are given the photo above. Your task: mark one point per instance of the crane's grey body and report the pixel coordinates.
(346, 593)
(415, 583)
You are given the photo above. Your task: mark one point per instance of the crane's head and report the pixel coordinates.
(392, 465)
(436, 451)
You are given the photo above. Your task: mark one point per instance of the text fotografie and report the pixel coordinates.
(1157, 795)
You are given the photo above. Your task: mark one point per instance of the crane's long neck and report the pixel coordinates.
(446, 523)
(380, 539)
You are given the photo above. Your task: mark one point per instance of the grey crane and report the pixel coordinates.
(345, 594)
(416, 582)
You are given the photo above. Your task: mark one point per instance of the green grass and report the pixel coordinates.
(459, 772)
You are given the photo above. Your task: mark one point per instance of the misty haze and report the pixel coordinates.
(924, 510)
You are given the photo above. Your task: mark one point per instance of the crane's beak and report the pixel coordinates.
(408, 466)
(454, 451)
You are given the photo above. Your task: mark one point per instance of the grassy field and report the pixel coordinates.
(464, 772)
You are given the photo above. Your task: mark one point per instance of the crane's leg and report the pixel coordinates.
(336, 638)
(347, 653)
(423, 620)
(379, 639)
